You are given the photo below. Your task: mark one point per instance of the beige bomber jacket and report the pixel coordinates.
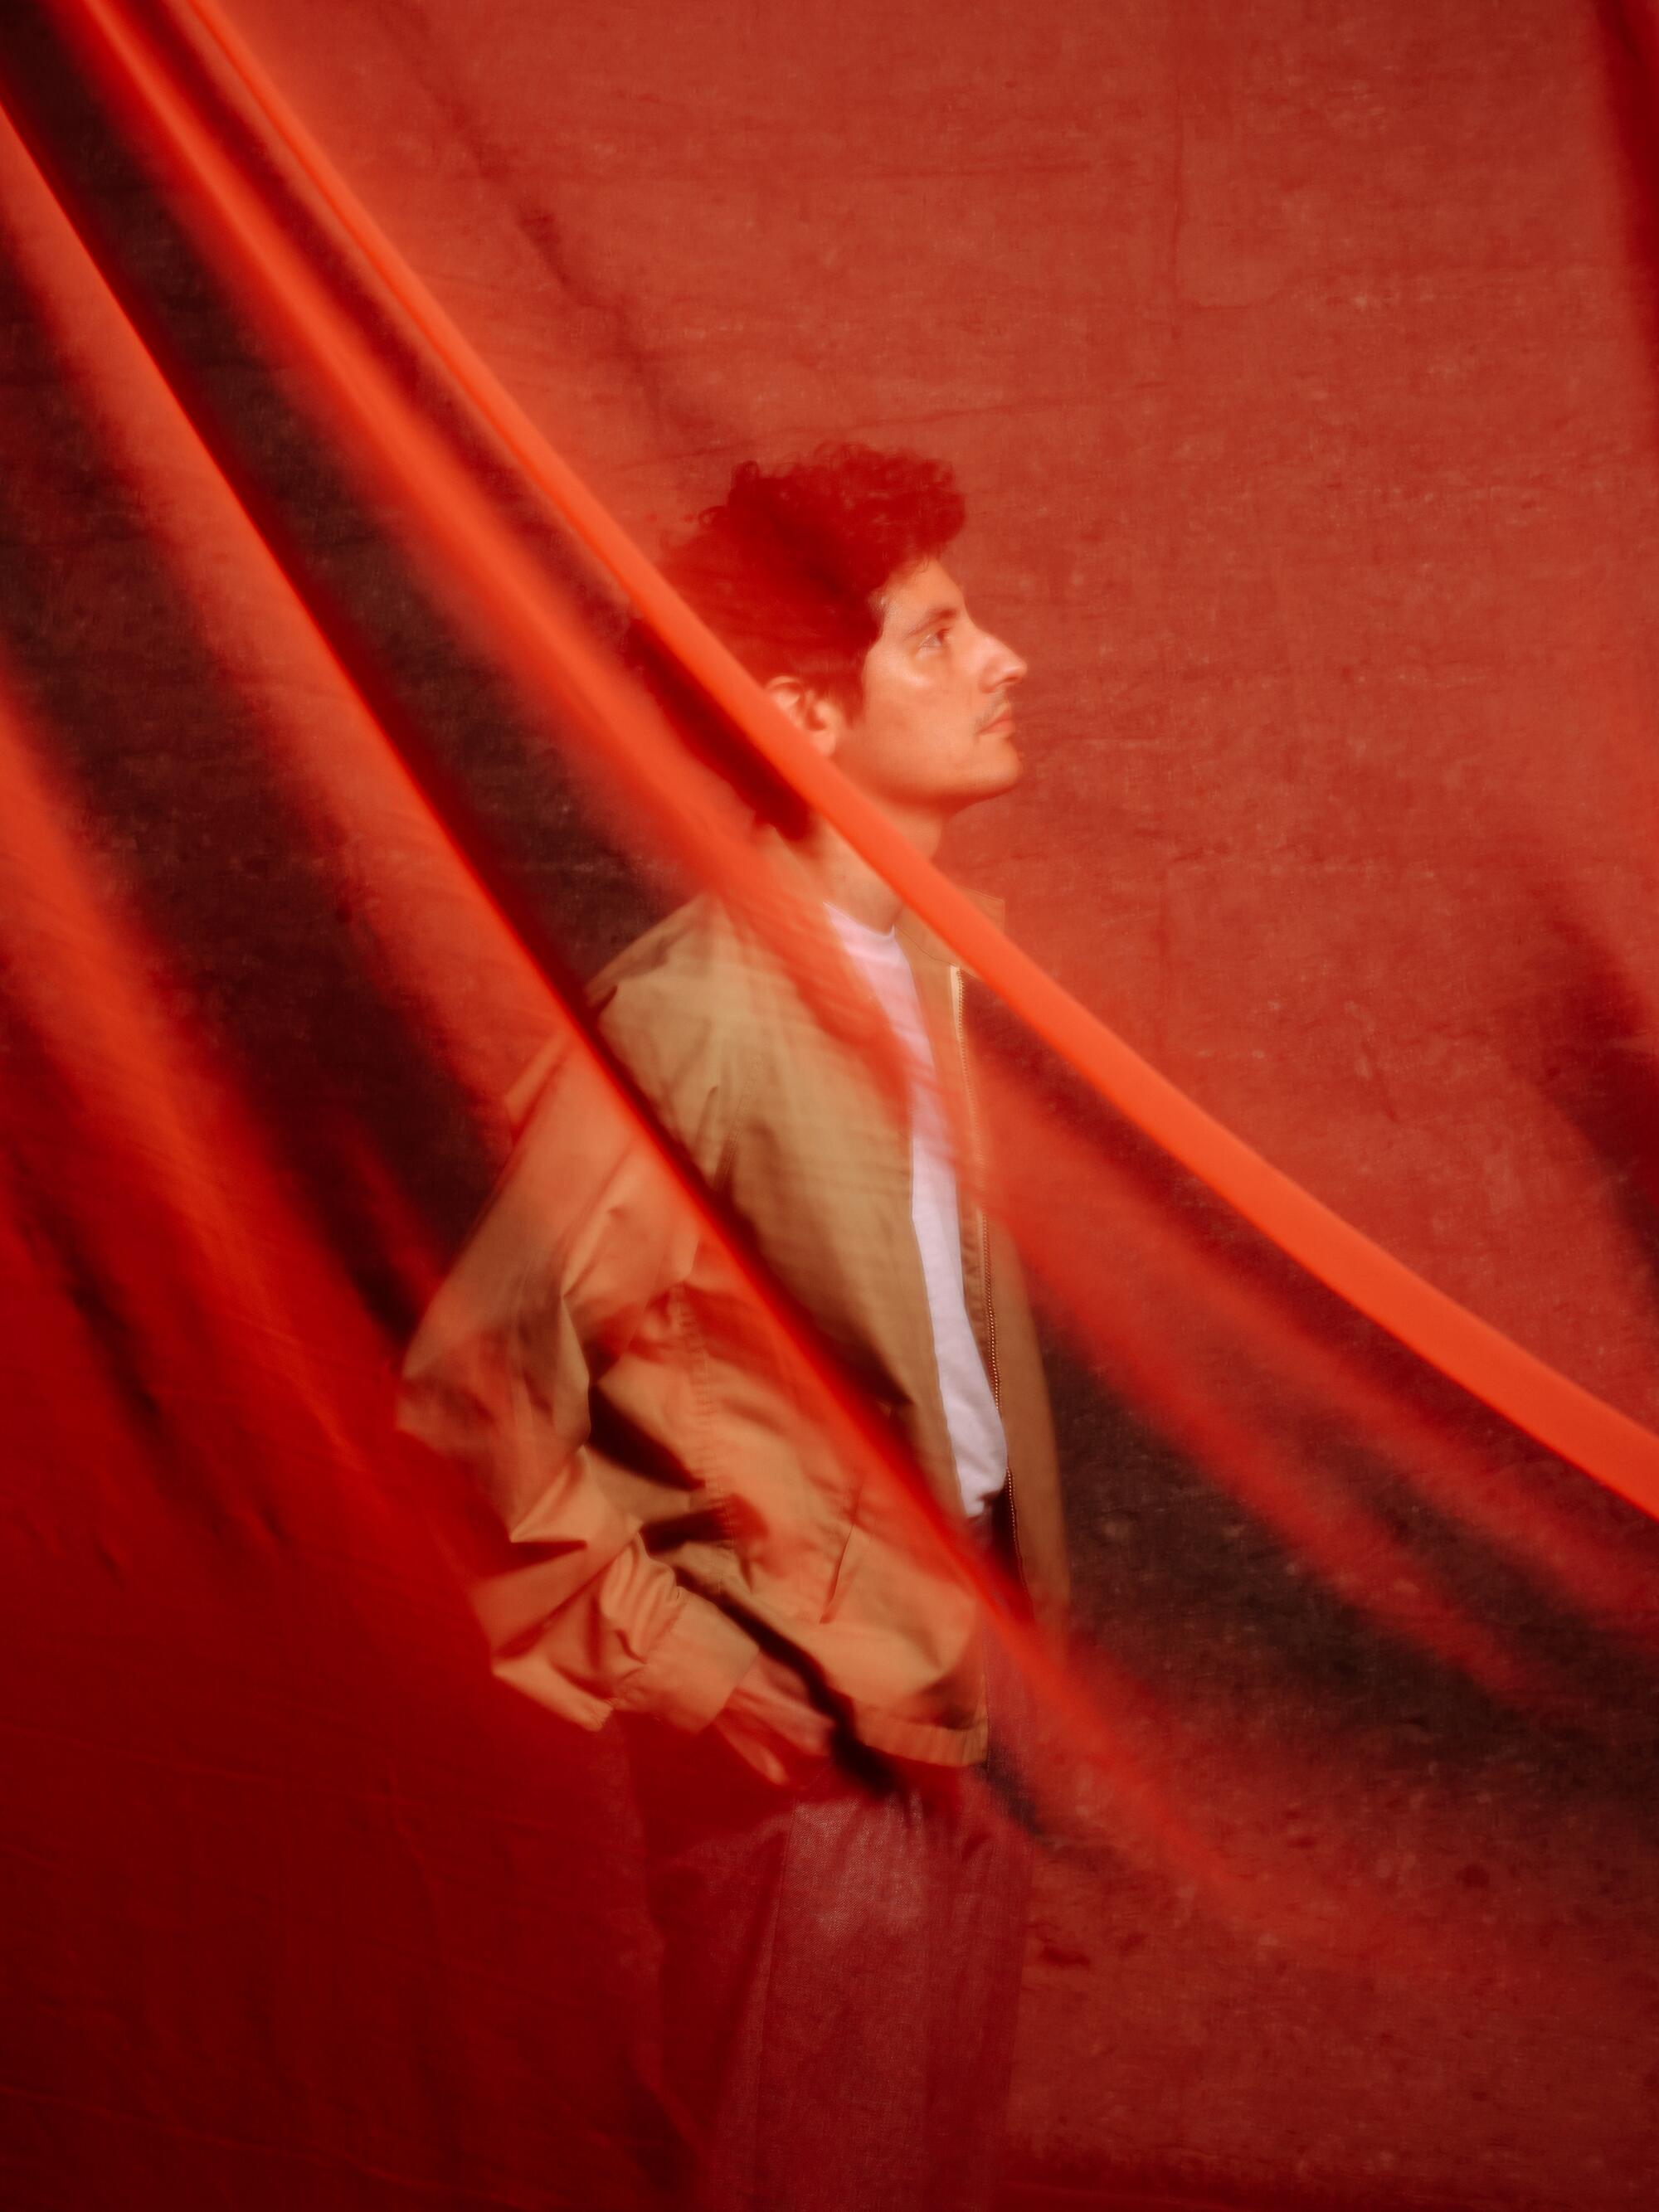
(666, 1482)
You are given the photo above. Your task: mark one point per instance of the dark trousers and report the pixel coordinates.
(840, 1979)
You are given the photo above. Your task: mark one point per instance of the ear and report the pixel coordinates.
(812, 715)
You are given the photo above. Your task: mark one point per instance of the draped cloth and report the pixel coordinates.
(1298, 367)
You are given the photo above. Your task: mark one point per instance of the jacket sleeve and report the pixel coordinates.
(585, 1232)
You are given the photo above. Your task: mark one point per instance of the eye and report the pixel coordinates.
(932, 640)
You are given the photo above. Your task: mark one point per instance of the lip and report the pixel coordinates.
(1000, 728)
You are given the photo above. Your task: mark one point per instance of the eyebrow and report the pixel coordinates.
(944, 613)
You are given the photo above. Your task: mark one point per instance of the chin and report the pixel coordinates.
(1002, 772)
(990, 780)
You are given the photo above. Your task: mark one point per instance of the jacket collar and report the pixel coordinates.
(918, 938)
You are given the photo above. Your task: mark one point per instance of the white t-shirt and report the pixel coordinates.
(970, 1410)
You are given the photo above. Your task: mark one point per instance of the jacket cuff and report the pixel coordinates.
(694, 1665)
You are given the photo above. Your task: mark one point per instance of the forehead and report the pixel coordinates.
(914, 595)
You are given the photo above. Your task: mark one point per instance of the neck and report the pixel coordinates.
(846, 879)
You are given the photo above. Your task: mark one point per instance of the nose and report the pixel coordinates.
(1003, 666)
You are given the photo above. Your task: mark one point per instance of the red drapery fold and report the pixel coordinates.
(208, 1385)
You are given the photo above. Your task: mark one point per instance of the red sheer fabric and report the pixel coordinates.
(1315, 470)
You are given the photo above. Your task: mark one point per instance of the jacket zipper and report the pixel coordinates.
(975, 1137)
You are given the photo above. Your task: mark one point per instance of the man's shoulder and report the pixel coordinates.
(689, 973)
(682, 1007)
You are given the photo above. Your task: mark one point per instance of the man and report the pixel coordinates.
(840, 1890)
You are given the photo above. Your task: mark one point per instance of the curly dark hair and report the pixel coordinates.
(788, 572)
(788, 567)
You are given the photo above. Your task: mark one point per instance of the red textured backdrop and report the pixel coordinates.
(1299, 366)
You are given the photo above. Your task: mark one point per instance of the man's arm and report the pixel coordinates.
(586, 1232)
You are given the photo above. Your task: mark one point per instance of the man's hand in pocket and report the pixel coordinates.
(769, 1721)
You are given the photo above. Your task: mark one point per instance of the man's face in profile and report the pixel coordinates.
(935, 729)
